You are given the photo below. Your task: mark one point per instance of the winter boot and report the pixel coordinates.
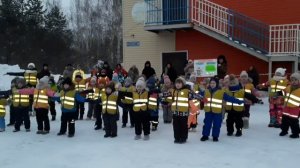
(294, 136)
(16, 130)
(53, 118)
(137, 137)
(204, 138)
(60, 133)
(39, 132)
(71, 135)
(146, 137)
(215, 139)
(246, 122)
(238, 133)
(106, 135)
(282, 133)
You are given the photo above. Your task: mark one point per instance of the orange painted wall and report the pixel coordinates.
(201, 46)
(268, 11)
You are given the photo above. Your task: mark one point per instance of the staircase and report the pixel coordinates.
(267, 42)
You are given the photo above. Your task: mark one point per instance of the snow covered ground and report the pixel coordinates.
(259, 147)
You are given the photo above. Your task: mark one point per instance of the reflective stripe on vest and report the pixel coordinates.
(180, 100)
(240, 94)
(277, 86)
(40, 98)
(140, 101)
(2, 109)
(68, 99)
(109, 104)
(292, 98)
(30, 78)
(152, 103)
(20, 100)
(214, 101)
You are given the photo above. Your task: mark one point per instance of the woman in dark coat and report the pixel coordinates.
(171, 72)
(222, 67)
(253, 74)
(148, 71)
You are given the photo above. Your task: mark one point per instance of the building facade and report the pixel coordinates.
(264, 33)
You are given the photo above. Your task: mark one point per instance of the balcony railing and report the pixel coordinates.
(166, 12)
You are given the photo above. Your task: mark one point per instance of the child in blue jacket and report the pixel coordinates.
(213, 104)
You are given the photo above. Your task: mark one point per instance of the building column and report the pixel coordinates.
(270, 69)
(295, 66)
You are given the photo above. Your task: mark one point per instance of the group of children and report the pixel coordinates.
(181, 102)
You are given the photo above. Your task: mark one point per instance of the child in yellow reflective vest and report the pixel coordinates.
(140, 110)
(291, 108)
(93, 97)
(68, 97)
(3, 103)
(53, 87)
(20, 105)
(80, 85)
(213, 104)
(153, 102)
(41, 97)
(98, 108)
(180, 109)
(276, 101)
(110, 111)
(236, 111)
(127, 102)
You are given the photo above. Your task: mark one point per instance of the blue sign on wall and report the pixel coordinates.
(133, 44)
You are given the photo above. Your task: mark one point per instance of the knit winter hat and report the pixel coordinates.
(67, 81)
(296, 75)
(93, 80)
(128, 81)
(280, 71)
(151, 83)
(141, 83)
(31, 65)
(111, 85)
(115, 78)
(180, 80)
(167, 80)
(244, 73)
(215, 80)
(233, 81)
(44, 80)
(22, 81)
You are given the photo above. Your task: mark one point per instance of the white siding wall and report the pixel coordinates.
(151, 44)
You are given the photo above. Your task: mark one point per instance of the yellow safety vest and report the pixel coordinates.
(152, 103)
(3, 103)
(197, 91)
(140, 101)
(277, 86)
(248, 87)
(30, 78)
(292, 98)
(96, 95)
(180, 100)
(127, 99)
(109, 103)
(67, 99)
(20, 100)
(40, 99)
(80, 86)
(240, 94)
(214, 101)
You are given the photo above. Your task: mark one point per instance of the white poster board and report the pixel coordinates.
(206, 67)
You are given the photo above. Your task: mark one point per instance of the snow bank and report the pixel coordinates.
(6, 79)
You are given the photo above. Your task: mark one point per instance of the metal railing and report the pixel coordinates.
(284, 39)
(211, 16)
(248, 31)
(165, 12)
